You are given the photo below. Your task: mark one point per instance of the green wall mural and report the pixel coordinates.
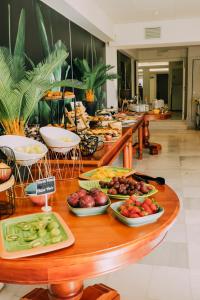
(45, 30)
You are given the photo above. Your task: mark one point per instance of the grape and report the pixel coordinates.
(120, 190)
(122, 186)
(125, 186)
(116, 185)
(112, 191)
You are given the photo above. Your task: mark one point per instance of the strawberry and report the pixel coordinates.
(132, 197)
(135, 209)
(143, 213)
(130, 201)
(134, 215)
(148, 201)
(137, 203)
(125, 212)
(130, 207)
(147, 208)
(122, 207)
(153, 207)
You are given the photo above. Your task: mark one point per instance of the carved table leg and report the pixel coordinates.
(140, 142)
(126, 160)
(130, 148)
(146, 134)
(154, 148)
(128, 154)
(69, 290)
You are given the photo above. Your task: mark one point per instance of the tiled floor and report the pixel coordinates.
(172, 271)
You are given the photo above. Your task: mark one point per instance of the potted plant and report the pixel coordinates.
(94, 78)
(21, 89)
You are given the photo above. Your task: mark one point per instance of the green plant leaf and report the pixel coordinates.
(96, 77)
(20, 39)
(42, 30)
(9, 29)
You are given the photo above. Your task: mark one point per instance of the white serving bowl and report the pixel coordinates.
(53, 138)
(15, 142)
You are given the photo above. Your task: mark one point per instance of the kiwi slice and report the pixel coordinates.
(42, 232)
(12, 237)
(56, 239)
(55, 232)
(36, 243)
(30, 237)
(52, 225)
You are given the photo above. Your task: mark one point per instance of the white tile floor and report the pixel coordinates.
(172, 271)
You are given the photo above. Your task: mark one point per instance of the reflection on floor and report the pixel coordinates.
(172, 271)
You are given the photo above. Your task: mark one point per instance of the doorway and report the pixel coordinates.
(162, 87)
(164, 80)
(176, 89)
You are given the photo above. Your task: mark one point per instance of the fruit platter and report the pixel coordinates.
(88, 203)
(33, 234)
(120, 188)
(136, 212)
(123, 188)
(106, 172)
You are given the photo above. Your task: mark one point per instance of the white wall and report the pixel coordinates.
(173, 33)
(161, 54)
(86, 14)
(111, 86)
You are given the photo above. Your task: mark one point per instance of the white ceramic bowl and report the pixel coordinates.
(55, 139)
(15, 142)
(135, 222)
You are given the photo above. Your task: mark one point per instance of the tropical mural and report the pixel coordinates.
(35, 38)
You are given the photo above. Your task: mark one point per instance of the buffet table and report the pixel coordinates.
(102, 245)
(111, 150)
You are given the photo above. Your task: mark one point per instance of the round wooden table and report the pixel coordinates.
(102, 245)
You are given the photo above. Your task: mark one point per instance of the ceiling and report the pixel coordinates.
(126, 11)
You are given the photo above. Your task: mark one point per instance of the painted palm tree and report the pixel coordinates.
(49, 47)
(21, 89)
(95, 77)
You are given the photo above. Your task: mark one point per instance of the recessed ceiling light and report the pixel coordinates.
(159, 70)
(152, 64)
